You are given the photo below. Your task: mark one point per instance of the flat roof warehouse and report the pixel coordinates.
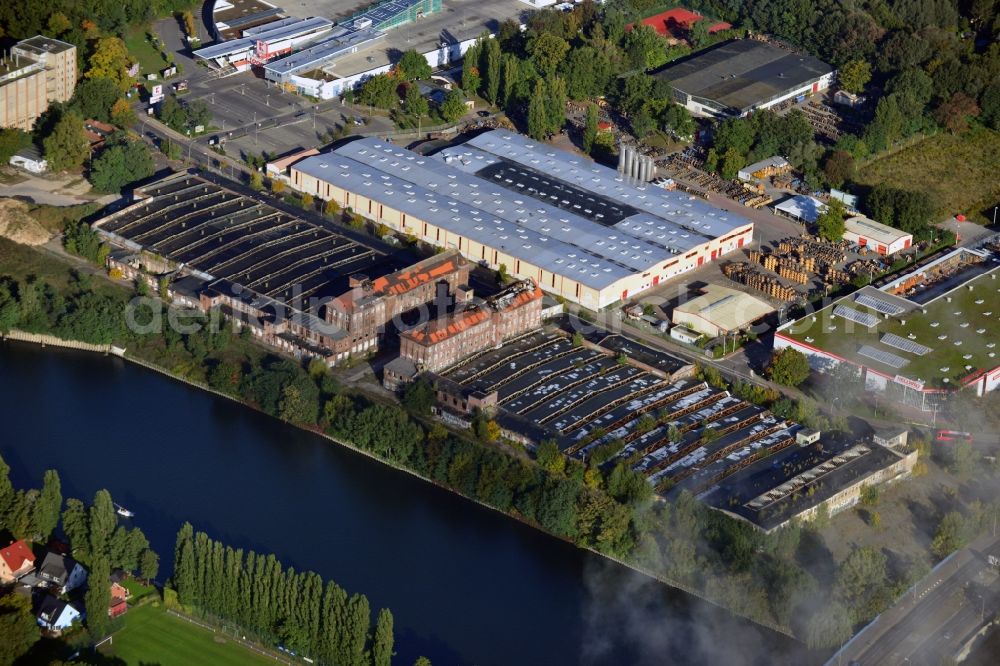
(560, 213)
(743, 73)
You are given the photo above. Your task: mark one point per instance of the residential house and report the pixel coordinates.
(62, 573)
(56, 615)
(119, 595)
(16, 560)
(97, 132)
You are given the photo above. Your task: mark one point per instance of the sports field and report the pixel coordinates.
(152, 636)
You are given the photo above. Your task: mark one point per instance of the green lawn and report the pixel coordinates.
(152, 636)
(137, 589)
(149, 57)
(958, 172)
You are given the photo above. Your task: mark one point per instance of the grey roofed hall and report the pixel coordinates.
(446, 190)
(743, 73)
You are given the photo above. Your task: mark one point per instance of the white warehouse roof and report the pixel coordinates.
(802, 207)
(559, 228)
(876, 231)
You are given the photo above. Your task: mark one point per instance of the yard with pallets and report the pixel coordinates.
(959, 172)
(150, 635)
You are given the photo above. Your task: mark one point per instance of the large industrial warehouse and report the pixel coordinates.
(930, 331)
(580, 230)
(743, 75)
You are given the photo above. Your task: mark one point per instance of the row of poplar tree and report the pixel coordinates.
(278, 604)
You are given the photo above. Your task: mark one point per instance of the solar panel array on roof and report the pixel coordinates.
(857, 317)
(882, 306)
(881, 356)
(898, 342)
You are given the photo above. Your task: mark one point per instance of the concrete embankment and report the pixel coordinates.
(51, 340)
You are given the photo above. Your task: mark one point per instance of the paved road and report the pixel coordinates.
(932, 621)
(54, 190)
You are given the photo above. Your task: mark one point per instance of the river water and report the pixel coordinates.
(466, 585)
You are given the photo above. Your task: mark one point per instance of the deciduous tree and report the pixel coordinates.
(110, 60)
(547, 51)
(830, 223)
(121, 165)
(854, 75)
(788, 366)
(954, 113)
(382, 641)
(66, 147)
(18, 629)
(412, 66)
(98, 597)
(47, 507)
(453, 106)
(537, 113)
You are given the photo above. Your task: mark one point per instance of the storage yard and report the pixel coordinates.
(674, 429)
(933, 329)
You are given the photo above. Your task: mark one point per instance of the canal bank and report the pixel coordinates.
(462, 581)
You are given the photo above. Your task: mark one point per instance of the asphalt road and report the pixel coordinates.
(932, 621)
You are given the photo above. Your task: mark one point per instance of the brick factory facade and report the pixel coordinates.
(445, 341)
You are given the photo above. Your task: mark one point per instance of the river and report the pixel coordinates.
(466, 585)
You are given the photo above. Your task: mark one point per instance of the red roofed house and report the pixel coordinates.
(677, 22)
(96, 132)
(446, 340)
(118, 604)
(15, 561)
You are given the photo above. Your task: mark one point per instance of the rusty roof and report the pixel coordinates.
(419, 274)
(442, 328)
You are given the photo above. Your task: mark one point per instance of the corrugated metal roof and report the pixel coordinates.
(342, 42)
(876, 231)
(444, 191)
(289, 30)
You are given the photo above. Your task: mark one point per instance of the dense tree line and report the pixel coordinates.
(278, 604)
(31, 514)
(577, 55)
(77, 21)
(36, 306)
